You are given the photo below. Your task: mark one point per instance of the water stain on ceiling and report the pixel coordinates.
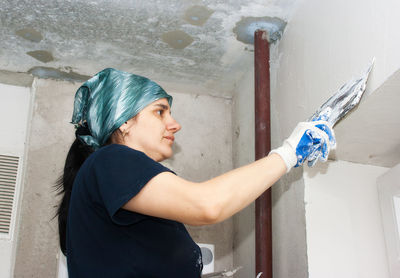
(41, 55)
(177, 39)
(29, 34)
(197, 15)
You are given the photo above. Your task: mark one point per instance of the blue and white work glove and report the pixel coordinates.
(309, 141)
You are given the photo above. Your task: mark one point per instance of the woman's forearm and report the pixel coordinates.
(236, 189)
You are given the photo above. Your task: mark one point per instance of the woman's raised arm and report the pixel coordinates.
(171, 197)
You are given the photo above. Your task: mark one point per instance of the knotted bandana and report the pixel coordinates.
(110, 98)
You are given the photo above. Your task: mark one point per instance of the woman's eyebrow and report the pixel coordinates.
(163, 106)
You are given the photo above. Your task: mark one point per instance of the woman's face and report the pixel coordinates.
(152, 130)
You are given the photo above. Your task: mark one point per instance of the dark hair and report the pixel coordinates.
(77, 154)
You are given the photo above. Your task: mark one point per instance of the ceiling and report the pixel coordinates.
(199, 43)
(185, 41)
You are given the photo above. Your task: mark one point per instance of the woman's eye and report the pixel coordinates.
(160, 112)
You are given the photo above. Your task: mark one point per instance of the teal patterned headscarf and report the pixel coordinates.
(110, 98)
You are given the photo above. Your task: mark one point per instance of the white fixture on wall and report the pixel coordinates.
(14, 112)
(208, 255)
(62, 270)
(389, 197)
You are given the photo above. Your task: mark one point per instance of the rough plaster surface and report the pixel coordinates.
(91, 35)
(203, 150)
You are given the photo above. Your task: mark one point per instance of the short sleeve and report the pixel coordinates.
(120, 173)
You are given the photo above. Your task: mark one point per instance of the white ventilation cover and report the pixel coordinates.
(15, 103)
(8, 179)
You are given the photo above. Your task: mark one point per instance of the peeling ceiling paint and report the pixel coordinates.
(135, 36)
(57, 74)
(246, 27)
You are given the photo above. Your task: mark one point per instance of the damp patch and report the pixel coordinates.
(52, 73)
(246, 27)
(30, 34)
(177, 39)
(41, 55)
(197, 15)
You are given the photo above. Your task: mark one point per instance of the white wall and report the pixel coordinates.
(389, 197)
(14, 110)
(326, 43)
(344, 226)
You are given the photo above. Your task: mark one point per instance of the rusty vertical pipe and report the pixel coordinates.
(262, 148)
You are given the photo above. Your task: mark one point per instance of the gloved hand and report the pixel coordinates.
(309, 141)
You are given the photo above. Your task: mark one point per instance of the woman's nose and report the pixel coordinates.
(173, 125)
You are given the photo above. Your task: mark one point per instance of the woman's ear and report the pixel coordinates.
(123, 128)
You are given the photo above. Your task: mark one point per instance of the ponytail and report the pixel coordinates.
(77, 154)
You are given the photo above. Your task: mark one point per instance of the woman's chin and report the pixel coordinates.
(165, 155)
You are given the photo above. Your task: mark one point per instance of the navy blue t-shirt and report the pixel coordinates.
(104, 240)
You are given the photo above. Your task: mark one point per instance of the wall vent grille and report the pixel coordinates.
(8, 179)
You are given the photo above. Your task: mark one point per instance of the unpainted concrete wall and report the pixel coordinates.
(243, 153)
(203, 150)
(51, 135)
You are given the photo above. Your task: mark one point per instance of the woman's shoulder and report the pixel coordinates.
(117, 156)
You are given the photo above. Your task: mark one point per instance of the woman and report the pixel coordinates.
(123, 215)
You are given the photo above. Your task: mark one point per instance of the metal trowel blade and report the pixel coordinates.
(343, 100)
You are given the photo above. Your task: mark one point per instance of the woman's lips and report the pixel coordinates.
(172, 138)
